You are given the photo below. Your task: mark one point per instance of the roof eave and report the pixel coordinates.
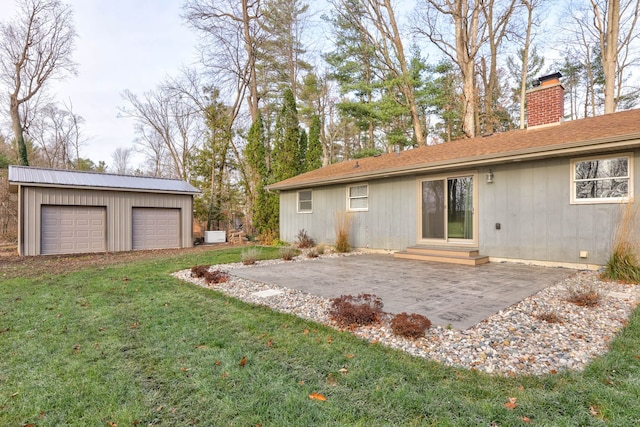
(607, 143)
(13, 187)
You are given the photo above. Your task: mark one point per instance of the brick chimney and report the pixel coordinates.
(545, 101)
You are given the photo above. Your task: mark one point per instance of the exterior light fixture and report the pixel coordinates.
(490, 177)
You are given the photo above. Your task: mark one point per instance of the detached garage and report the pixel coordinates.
(63, 212)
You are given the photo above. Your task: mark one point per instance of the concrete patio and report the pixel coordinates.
(447, 294)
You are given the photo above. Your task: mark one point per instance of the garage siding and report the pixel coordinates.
(118, 206)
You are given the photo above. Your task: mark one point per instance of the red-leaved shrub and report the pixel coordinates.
(362, 309)
(410, 325)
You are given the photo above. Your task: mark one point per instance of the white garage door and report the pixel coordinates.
(156, 228)
(73, 229)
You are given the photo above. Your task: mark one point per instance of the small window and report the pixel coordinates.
(305, 201)
(601, 179)
(358, 197)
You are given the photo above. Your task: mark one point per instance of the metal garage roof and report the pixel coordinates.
(25, 175)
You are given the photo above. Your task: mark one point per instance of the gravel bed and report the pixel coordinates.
(513, 341)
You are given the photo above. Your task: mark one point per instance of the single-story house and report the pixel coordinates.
(549, 194)
(63, 211)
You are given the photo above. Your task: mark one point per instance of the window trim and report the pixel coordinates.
(349, 198)
(576, 201)
(304, 211)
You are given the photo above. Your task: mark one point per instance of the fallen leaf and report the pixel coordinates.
(185, 369)
(317, 396)
(5, 330)
(270, 343)
(159, 408)
(553, 372)
(76, 349)
(331, 380)
(224, 375)
(521, 387)
(306, 332)
(343, 371)
(243, 361)
(594, 411)
(112, 424)
(329, 340)
(15, 394)
(301, 382)
(134, 325)
(526, 420)
(349, 356)
(511, 404)
(31, 425)
(218, 363)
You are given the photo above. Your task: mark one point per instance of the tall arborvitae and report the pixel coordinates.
(286, 140)
(264, 205)
(313, 158)
(302, 151)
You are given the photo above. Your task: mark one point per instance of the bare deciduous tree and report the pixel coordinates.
(232, 36)
(35, 47)
(57, 135)
(174, 120)
(121, 157)
(461, 45)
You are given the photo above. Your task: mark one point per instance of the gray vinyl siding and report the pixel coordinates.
(389, 223)
(530, 200)
(118, 205)
(532, 203)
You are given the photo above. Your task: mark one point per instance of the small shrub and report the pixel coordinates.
(303, 240)
(549, 317)
(278, 242)
(250, 256)
(343, 226)
(410, 325)
(268, 237)
(584, 295)
(198, 271)
(320, 249)
(287, 253)
(215, 277)
(363, 309)
(623, 265)
(312, 253)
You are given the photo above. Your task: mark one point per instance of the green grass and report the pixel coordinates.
(130, 345)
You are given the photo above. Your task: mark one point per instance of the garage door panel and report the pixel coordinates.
(73, 229)
(155, 228)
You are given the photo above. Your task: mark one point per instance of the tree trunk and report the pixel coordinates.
(249, 43)
(609, 49)
(18, 132)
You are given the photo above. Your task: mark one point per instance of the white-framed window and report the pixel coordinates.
(602, 179)
(358, 197)
(305, 201)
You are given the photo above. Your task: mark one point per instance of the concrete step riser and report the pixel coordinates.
(444, 259)
(436, 252)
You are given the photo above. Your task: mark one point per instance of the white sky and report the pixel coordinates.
(122, 44)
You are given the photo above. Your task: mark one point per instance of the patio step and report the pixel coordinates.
(450, 255)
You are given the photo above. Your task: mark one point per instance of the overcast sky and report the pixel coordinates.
(122, 44)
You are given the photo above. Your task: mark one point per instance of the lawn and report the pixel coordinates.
(127, 344)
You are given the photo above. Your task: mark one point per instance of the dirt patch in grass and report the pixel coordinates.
(12, 265)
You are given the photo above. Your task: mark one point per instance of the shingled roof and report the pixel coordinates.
(608, 132)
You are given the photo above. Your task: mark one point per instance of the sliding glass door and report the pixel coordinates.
(448, 209)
